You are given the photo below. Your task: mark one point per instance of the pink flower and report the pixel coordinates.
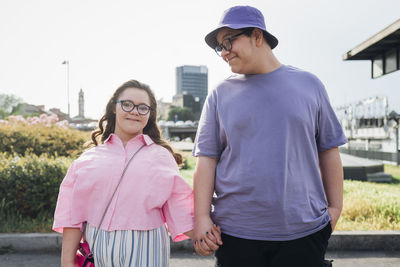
(63, 124)
(46, 120)
(43, 116)
(16, 119)
(34, 120)
(53, 118)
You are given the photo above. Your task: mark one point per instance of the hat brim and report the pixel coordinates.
(211, 38)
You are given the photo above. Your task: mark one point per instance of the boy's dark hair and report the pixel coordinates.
(249, 31)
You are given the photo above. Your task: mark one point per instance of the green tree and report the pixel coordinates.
(184, 114)
(8, 104)
(18, 110)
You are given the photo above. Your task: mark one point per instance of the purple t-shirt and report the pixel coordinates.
(266, 131)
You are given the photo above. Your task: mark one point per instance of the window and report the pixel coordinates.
(391, 61)
(377, 67)
(398, 57)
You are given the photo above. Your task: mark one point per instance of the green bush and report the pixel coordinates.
(29, 185)
(38, 139)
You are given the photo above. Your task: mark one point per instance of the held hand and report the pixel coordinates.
(334, 213)
(207, 236)
(209, 242)
(199, 249)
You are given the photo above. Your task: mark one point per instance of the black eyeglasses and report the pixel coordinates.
(129, 106)
(227, 44)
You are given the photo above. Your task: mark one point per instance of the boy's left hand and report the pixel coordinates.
(334, 213)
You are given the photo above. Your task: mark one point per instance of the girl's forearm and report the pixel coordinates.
(70, 242)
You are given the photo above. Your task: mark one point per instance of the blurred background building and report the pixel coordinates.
(191, 80)
(373, 130)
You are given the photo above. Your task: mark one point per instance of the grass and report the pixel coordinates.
(187, 174)
(367, 206)
(394, 171)
(372, 206)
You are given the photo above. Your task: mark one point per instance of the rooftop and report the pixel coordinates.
(386, 39)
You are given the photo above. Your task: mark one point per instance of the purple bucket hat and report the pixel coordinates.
(239, 17)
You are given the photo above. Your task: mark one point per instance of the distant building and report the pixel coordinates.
(368, 125)
(81, 104)
(79, 121)
(163, 109)
(192, 80)
(81, 107)
(188, 101)
(382, 49)
(61, 115)
(29, 109)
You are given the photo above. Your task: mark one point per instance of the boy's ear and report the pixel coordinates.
(258, 35)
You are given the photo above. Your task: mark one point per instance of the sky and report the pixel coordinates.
(110, 42)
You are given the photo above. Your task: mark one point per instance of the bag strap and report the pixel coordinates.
(109, 202)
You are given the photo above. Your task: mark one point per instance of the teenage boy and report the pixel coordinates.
(268, 160)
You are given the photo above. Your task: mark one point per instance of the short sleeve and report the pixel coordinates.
(207, 142)
(329, 131)
(62, 214)
(178, 210)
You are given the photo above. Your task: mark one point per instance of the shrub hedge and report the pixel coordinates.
(29, 185)
(39, 139)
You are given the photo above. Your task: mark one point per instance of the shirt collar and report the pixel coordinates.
(143, 137)
(147, 139)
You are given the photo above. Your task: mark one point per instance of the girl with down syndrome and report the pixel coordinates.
(151, 194)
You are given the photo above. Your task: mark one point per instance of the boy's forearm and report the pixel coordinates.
(203, 185)
(207, 238)
(332, 178)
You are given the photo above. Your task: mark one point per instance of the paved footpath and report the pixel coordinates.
(374, 250)
(185, 259)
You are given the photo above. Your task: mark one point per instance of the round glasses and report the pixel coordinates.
(227, 43)
(129, 106)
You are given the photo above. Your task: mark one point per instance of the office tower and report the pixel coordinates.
(192, 80)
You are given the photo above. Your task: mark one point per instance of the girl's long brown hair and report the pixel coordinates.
(106, 124)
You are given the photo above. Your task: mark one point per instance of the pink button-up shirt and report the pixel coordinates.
(151, 193)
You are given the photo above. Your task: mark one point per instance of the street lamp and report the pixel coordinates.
(66, 62)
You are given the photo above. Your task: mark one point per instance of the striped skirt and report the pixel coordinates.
(129, 247)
